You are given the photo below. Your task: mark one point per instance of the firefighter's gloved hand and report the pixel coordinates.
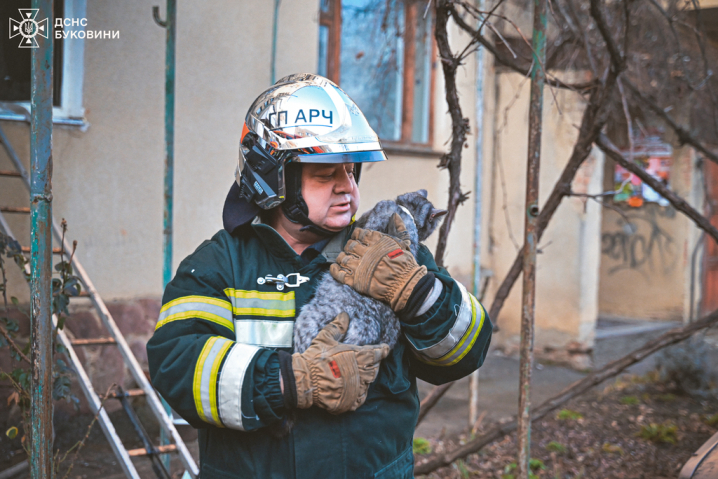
(379, 265)
(332, 375)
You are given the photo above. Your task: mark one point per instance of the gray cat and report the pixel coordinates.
(372, 322)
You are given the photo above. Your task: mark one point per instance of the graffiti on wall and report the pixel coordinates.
(642, 243)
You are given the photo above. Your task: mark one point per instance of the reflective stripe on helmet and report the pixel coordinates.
(346, 157)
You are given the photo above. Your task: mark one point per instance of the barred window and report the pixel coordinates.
(15, 64)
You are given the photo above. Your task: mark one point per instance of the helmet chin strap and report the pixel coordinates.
(295, 214)
(294, 207)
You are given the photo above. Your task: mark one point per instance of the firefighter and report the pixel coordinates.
(221, 354)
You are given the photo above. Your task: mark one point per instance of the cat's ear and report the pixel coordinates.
(436, 213)
(423, 193)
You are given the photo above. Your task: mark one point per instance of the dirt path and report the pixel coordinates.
(498, 394)
(634, 429)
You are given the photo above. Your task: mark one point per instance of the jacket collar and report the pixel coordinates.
(237, 212)
(279, 246)
(336, 244)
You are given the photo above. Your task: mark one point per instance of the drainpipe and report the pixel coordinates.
(170, 26)
(273, 66)
(478, 179)
(41, 246)
(528, 302)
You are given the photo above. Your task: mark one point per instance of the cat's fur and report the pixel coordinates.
(371, 322)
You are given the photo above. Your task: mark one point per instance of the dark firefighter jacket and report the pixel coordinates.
(213, 358)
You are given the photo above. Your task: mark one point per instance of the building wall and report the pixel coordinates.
(108, 180)
(708, 3)
(567, 266)
(646, 268)
(406, 172)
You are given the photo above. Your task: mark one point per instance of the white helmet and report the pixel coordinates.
(303, 118)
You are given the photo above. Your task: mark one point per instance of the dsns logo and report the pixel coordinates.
(28, 27)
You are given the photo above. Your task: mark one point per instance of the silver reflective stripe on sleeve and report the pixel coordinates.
(463, 320)
(431, 298)
(467, 340)
(205, 378)
(230, 384)
(462, 336)
(265, 333)
(191, 307)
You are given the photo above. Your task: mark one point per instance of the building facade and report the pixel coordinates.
(108, 147)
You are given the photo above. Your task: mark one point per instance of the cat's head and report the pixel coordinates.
(425, 216)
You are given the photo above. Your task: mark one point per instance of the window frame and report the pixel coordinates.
(71, 111)
(332, 19)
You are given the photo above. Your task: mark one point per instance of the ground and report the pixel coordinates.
(96, 459)
(599, 445)
(599, 436)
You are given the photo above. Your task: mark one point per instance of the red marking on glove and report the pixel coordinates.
(396, 253)
(335, 369)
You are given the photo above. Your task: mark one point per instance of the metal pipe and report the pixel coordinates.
(158, 466)
(41, 237)
(171, 29)
(478, 180)
(692, 295)
(170, 26)
(275, 22)
(530, 236)
(155, 402)
(94, 401)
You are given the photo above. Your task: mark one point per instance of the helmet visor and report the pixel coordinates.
(343, 157)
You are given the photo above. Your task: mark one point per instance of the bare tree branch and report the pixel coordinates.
(13, 345)
(670, 21)
(704, 56)
(459, 126)
(618, 61)
(594, 117)
(509, 62)
(684, 136)
(574, 23)
(678, 203)
(629, 120)
(579, 387)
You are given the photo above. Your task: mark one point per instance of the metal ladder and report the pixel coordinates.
(115, 339)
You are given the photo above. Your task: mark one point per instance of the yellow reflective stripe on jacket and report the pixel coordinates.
(258, 303)
(462, 336)
(203, 307)
(205, 378)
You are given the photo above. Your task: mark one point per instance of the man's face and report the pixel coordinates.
(331, 194)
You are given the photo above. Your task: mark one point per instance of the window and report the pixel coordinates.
(68, 63)
(382, 54)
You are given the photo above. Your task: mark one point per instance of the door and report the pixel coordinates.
(710, 262)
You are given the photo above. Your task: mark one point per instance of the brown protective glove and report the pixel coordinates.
(380, 266)
(336, 376)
